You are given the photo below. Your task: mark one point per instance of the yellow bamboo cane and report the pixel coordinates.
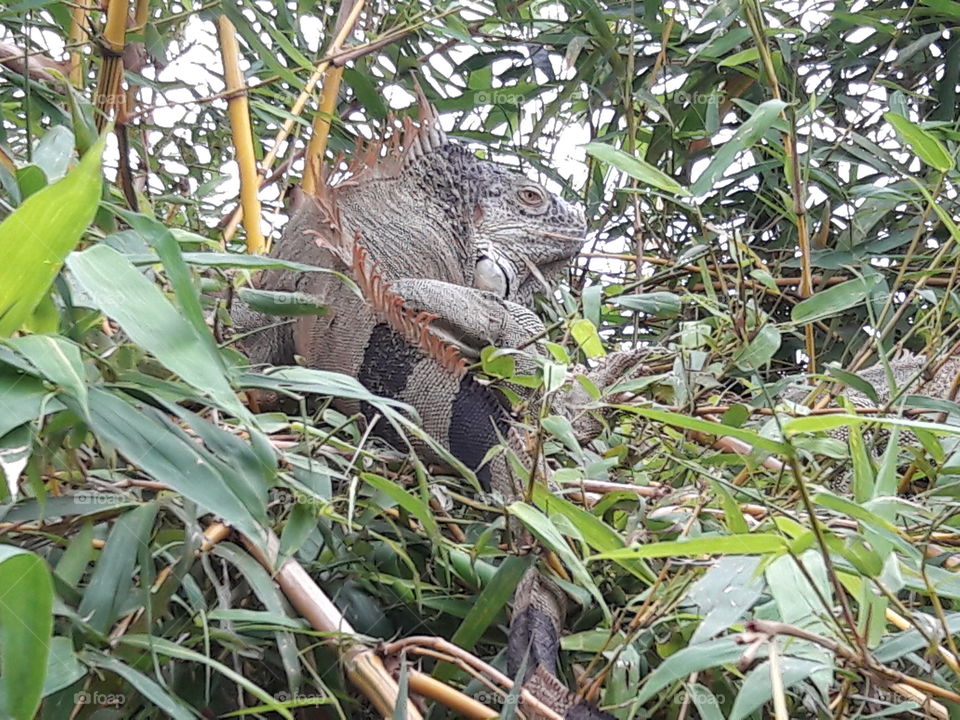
(242, 135)
(76, 39)
(109, 99)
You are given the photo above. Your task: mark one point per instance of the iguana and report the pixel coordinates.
(447, 250)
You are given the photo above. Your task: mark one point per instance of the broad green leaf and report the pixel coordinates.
(585, 333)
(706, 703)
(800, 595)
(108, 591)
(635, 168)
(40, 234)
(753, 544)
(759, 351)
(757, 688)
(834, 300)
(26, 623)
(145, 314)
(562, 429)
(54, 151)
(24, 398)
(63, 668)
(691, 659)
(273, 302)
(58, 360)
(744, 138)
(656, 304)
(924, 145)
(724, 593)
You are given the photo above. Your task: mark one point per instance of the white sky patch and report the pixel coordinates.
(12, 463)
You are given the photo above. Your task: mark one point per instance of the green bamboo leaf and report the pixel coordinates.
(159, 697)
(693, 423)
(162, 646)
(659, 304)
(585, 333)
(58, 360)
(723, 651)
(40, 234)
(148, 318)
(161, 449)
(924, 145)
(635, 168)
(413, 505)
(54, 151)
(63, 668)
(24, 397)
(834, 300)
(820, 423)
(26, 624)
(744, 138)
(108, 591)
(494, 597)
(753, 544)
(546, 532)
(744, 56)
(275, 302)
(759, 351)
(595, 532)
(757, 688)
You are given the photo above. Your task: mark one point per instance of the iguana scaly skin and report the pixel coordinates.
(912, 374)
(447, 250)
(909, 374)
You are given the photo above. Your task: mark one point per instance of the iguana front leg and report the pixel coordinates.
(468, 318)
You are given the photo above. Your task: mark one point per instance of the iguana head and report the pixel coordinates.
(429, 207)
(522, 232)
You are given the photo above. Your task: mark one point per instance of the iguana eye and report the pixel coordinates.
(531, 196)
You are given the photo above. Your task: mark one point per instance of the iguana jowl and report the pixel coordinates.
(446, 248)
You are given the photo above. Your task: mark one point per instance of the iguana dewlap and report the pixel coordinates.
(447, 250)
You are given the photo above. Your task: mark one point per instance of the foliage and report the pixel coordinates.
(772, 189)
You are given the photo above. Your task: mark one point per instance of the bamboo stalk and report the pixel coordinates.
(755, 20)
(109, 100)
(364, 667)
(901, 622)
(242, 135)
(76, 38)
(297, 108)
(329, 91)
(462, 704)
